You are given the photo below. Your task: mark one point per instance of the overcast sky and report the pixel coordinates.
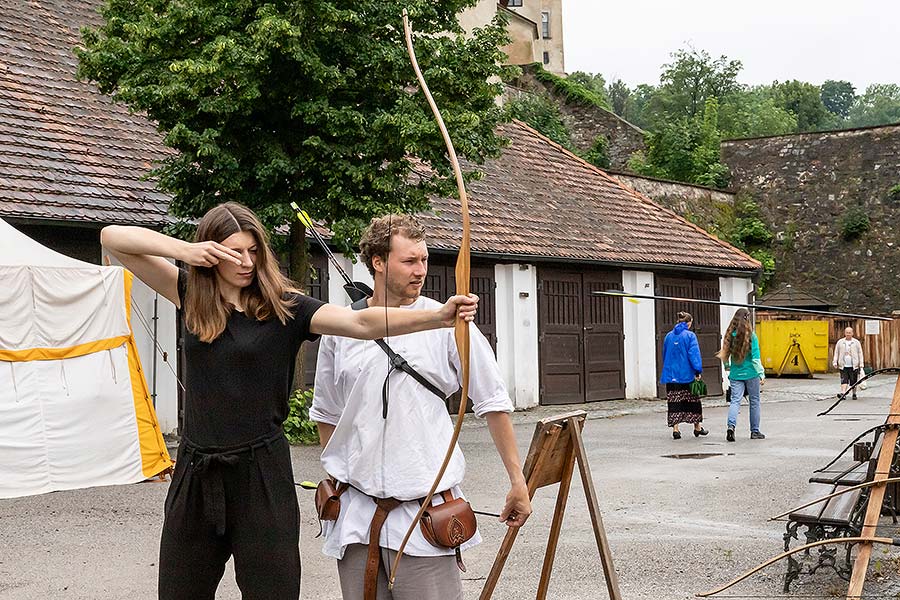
(857, 41)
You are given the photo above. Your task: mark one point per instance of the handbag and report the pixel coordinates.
(449, 525)
(862, 373)
(328, 499)
(698, 387)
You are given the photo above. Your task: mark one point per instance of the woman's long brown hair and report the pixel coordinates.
(205, 310)
(735, 347)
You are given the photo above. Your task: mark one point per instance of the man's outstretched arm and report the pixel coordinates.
(518, 505)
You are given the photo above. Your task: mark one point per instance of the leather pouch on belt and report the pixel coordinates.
(328, 499)
(449, 525)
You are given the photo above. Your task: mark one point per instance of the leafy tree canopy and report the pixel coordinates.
(838, 97)
(314, 101)
(879, 105)
(691, 78)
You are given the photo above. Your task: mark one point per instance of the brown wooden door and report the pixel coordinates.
(581, 337)
(604, 348)
(706, 324)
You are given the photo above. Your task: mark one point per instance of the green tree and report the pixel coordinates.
(269, 102)
(592, 81)
(879, 105)
(838, 97)
(638, 110)
(753, 112)
(542, 113)
(619, 94)
(689, 79)
(804, 100)
(685, 149)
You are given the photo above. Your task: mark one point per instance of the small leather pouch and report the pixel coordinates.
(328, 499)
(449, 525)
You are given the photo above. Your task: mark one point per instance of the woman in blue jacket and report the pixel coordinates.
(740, 353)
(681, 365)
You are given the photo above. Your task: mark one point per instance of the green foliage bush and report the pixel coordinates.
(598, 155)
(894, 193)
(570, 90)
(541, 113)
(297, 427)
(854, 223)
(752, 231)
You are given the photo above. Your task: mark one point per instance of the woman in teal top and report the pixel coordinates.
(740, 353)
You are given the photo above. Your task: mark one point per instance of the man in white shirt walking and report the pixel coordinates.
(385, 434)
(848, 356)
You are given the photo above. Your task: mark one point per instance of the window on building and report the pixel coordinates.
(546, 58)
(514, 3)
(545, 25)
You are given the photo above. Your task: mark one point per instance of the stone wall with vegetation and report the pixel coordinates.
(584, 115)
(698, 204)
(832, 200)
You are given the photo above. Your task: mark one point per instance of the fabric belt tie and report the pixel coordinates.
(208, 467)
(373, 561)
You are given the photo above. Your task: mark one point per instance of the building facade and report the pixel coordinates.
(535, 26)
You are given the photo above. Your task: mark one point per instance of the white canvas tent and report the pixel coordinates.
(74, 406)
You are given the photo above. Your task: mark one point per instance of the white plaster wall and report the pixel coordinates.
(639, 318)
(517, 332)
(477, 16)
(142, 313)
(732, 289)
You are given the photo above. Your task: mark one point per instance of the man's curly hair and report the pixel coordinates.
(376, 239)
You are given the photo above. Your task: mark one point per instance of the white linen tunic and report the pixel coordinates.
(399, 456)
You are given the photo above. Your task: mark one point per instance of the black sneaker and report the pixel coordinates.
(854, 396)
(755, 435)
(729, 435)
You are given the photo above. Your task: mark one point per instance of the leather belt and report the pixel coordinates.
(383, 506)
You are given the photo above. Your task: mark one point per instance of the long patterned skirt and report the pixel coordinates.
(684, 407)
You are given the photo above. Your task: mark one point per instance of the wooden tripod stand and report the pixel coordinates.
(556, 445)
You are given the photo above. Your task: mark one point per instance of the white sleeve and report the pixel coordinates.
(486, 388)
(327, 404)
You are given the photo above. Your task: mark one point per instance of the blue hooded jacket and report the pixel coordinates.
(681, 356)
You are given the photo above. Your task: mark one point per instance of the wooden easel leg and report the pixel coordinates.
(533, 478)
(556, 526)
(612, 580)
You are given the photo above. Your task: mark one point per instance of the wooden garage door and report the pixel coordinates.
(706, 323)
(581, 340)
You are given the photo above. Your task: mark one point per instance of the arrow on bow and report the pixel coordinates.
(772, 561)
(461, 332)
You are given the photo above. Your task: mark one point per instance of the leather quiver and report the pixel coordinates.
(448, 525)
(328, 499)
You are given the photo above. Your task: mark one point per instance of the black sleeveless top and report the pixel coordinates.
(237, 386)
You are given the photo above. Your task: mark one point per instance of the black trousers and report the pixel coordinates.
(237, 502)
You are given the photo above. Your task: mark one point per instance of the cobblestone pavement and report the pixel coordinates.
(676, 525)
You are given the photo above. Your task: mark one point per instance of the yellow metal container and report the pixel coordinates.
(793, 347)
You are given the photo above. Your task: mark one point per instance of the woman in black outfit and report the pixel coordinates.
(232, 493)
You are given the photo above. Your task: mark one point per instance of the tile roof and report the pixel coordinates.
(541, 200)
(67, 152)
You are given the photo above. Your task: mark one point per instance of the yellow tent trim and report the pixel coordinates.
(30, 354)
(154, 455)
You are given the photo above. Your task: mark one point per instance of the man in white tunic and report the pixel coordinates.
(398, 455)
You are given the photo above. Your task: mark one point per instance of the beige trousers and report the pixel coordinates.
(419, 577)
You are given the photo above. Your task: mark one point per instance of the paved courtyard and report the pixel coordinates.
(677, 526)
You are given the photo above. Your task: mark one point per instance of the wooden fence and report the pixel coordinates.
(879, 350)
